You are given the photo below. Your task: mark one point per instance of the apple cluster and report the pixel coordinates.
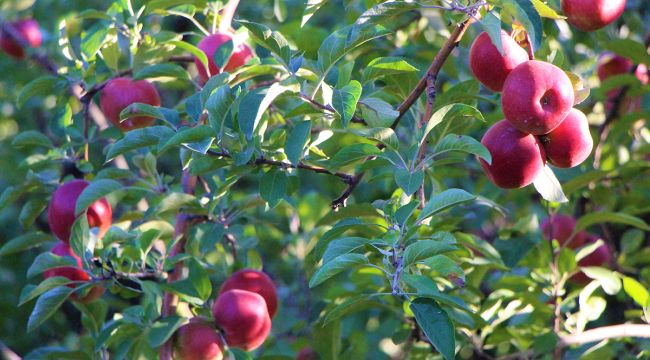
(242, 312)
(540, 122)
(560, 227)
(61, 217)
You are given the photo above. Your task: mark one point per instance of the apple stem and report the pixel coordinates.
(227, 14)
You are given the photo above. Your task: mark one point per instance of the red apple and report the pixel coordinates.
(536, 97)
(602, 256)
(241, 53)
(560, 227)
(307, 353)
(570, 143)
(257, 282)
(489, 66)
(199, 340)
(61, 215)
(243, 317)
(591, 15)
(609, 65)
(74, 273)
(122, 92)
(516, 157)
(31, 33)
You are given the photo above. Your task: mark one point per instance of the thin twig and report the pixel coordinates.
(434, 68)
(227, 14)
(342, 200)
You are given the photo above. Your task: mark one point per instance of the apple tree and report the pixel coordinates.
(325, 179)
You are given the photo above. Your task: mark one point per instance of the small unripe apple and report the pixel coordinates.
(536, 97)
(591, 15)
(602, 256)
(199, 340)
(516, 157)
(123, 91)
(61, 215)
(570, 143)
(30, 32)
(257, 282)
(489, 66)
(74, 273)
(243, 317)
(241, 53)
(560, 227)
(307, 353)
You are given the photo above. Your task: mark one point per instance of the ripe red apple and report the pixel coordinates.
(591, 15)
(243, 317)
(560, 227)
(74, 273)
(122, 92)
(241, 53)
(489, 66)
(609, 65)
(536, 97)
(31, 33)
(199, 340)
(257, 282)
(516, 157)
(570, 143)
(602, 256)
(307, 353)
(61, 216)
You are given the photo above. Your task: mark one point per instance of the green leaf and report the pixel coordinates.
(548, 186)
(162, 70)
(345, 100)
(350, 305)
(24, 242)
(174, 201)
(608, 279)
(223, 54)
(196, 52)
(525, 13)
(218, 106)
(343, 246)
(463, 143)
(443, 201)
(139, 138)
(271, 40)
(546, 11)
(47, 304)
(93, 40)
(336, 266)
(273, 187)
(31, 210)
(296, 141)
(451, 112)
(352, 153)
(141, 109)
(161, 330)
(31, 138)
(610, 217)
(254, 104)
(94, 191)
(30, 292)
(628, 48)
(404, 213)
(424, 249)
(492, 26)
(41, 86)
(436, 325)
(310, 8)
(384, 66)
(409, 181)
(342, 41)
(384, 135)
(189, 135)
(377, 112)
(636, 291)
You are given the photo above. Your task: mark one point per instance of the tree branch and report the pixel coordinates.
(180, 232)
(342, 200)
(605, 333)
(227, 14)
(435, 67)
